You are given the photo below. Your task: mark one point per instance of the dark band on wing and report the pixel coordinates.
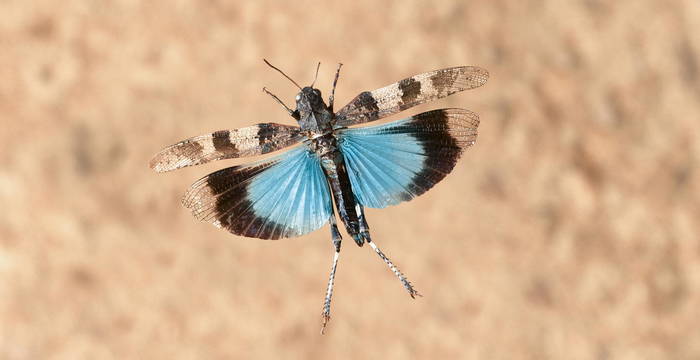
(269, 140)
(365, 104)
(226, 144)
(234, 211)
(442, 146)
(409, 92)
(222, 199)
(222, 143)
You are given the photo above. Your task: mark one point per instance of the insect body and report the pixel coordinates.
(292, 193)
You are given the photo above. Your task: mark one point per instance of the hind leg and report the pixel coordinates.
(364, 233)
(335, 235)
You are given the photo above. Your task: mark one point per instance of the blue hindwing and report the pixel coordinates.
(284, 196)
(397, 161)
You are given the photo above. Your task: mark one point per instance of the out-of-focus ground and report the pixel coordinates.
(570, 231)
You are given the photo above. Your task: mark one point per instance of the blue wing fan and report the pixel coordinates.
(284, 196)
(397, 161)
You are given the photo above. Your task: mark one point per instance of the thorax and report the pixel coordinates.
(324, 145)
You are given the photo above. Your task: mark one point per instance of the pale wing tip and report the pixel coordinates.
(154, 163)
(158, 164)
(463, 114)
(463, 125)
(170, 159)
(477, 74)
(484, 74)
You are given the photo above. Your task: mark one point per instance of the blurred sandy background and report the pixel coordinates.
(569, 231)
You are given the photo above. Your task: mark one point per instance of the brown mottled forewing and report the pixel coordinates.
(409, 92)
(226, 144)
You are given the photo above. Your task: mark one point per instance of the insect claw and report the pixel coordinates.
(325, 319)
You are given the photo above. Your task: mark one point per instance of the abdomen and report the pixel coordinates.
(336, 172)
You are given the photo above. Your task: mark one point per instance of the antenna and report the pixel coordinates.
(282, 72)
(316, 76)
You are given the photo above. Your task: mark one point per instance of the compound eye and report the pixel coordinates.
(298, 97)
